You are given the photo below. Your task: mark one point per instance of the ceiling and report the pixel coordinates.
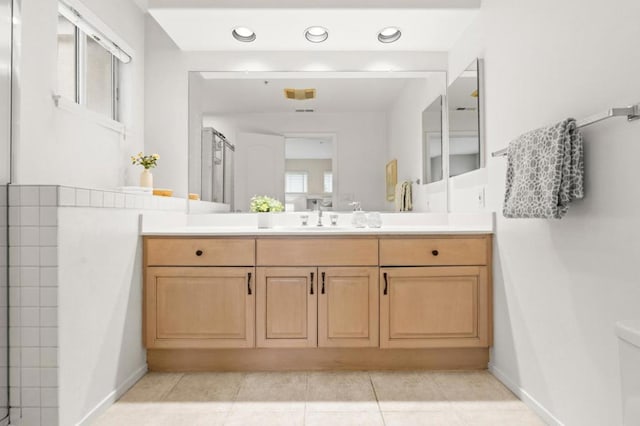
(318, 148)
(195, 25)
(333, 95)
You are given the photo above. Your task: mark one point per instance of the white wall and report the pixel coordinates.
(100, 308)
(560, 285)
(360, 140)
(404, 132)
(56, 146)
(166, 121)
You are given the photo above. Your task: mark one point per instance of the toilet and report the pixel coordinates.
(629, 341)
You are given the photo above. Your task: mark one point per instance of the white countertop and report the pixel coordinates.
(289, 225)
(311, 231)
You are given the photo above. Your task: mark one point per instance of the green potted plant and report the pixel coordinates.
(264, 206)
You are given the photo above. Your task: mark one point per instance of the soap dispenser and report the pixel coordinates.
(359, 219)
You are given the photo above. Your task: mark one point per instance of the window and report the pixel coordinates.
(295, 182)
(66, 59)
(88, 64)
(100, 76)
(328, 182)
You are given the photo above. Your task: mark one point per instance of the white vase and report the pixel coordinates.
(146, 179)
(265, 220)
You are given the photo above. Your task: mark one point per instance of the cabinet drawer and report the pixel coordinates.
(434, 251)
(200, 252)
(317, 252)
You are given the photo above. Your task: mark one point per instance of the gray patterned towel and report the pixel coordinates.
(544, 172)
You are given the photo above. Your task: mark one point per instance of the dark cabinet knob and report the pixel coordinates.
(199, 252)
(435, 252)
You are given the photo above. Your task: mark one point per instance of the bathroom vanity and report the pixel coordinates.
(317, 300)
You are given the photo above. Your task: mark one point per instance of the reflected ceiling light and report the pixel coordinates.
(389, 35)
(243, 34)
(316, 34)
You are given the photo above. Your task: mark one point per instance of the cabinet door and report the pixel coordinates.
(433, 307)
(199, 307)
(286, 311)
(348, 307)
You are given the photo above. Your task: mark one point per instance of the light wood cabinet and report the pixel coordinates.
(322, 251)
(195, 307)
(286, 311)
(309, 307)
(318, 302)
(451, 251)
(313, 292)
(428, 307)
(200, 252)
(348, 307)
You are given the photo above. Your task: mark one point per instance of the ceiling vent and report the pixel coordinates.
(300, 94)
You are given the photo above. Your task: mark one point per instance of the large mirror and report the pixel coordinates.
(432, 146)
(464, 116)
(312, 140)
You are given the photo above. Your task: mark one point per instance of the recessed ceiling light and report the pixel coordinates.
(243, 34)
(316, 34)
(389, 35)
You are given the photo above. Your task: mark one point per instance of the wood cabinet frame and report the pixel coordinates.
(351, 313)
(464, 287)
(199, 278)
(445, 256)
(306, 307)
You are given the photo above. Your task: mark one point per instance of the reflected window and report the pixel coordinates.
(296, 182)
(328, 182)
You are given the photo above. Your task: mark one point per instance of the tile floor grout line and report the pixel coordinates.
(235, 399)
(306, 397)
(375, 393)
(166, 393)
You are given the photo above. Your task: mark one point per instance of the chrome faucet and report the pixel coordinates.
(319, 214)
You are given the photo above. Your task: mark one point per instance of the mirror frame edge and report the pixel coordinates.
(481, 127)
(481, 113)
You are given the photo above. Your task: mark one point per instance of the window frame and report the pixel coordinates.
(324, 181)
(298, 173)
(80, 81)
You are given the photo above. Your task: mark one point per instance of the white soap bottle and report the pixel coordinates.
(359, 218)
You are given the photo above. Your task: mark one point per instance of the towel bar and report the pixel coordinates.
(632, 112)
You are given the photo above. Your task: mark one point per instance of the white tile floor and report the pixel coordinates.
(320, 398)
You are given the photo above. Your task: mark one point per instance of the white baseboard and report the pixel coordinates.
(112, 397)
(530, 401)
